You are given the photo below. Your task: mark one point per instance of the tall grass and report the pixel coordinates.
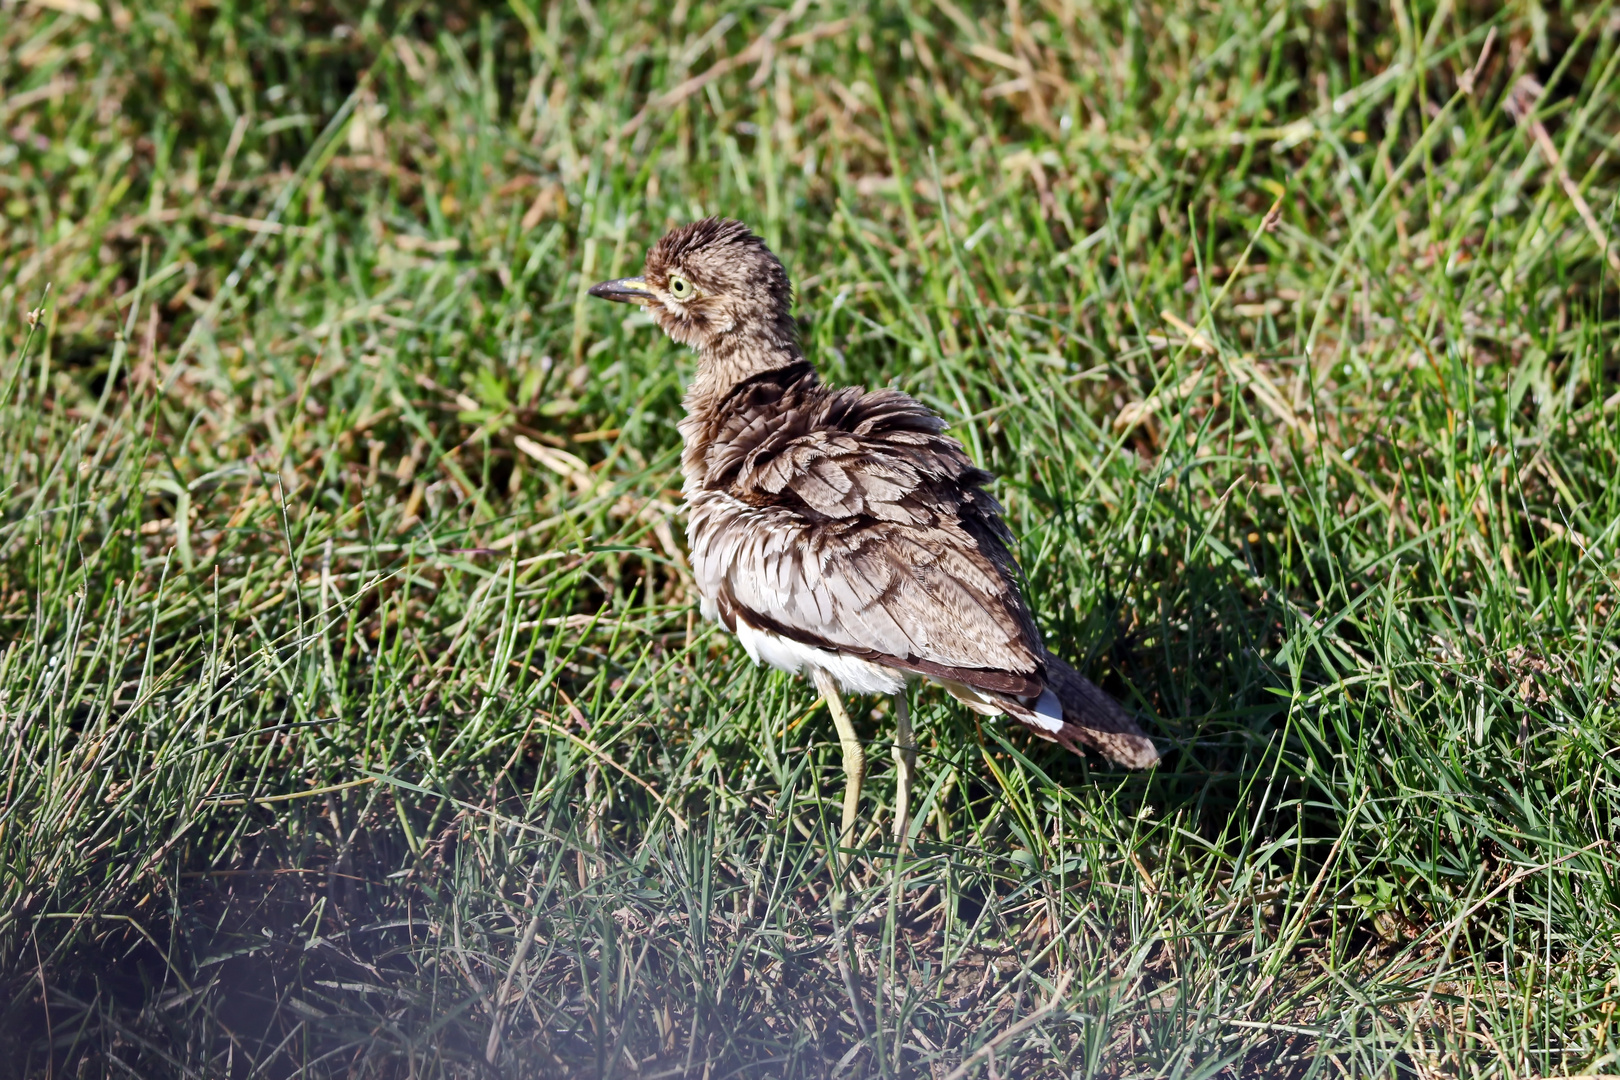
(356, 717)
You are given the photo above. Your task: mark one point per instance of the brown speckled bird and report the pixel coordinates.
(840, 532)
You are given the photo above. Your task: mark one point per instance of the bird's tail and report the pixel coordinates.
(1085, 716)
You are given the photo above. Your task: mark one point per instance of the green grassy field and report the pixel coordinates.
(356, 717)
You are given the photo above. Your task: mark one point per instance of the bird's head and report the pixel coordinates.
(712, 285)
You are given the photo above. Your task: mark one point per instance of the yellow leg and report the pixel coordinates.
(905, 764)
(854, 763)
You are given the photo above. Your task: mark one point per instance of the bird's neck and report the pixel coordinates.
(739, 369)
(733, 360)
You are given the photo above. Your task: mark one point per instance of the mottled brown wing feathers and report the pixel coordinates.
(870, 534)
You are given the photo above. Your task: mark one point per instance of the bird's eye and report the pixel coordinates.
(680, 288)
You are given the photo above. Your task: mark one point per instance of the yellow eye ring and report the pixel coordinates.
(680, 288)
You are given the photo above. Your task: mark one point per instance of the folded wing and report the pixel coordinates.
(849, 521)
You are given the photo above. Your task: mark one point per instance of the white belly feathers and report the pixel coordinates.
(853, 675)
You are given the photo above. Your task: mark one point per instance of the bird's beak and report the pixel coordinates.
(625, 290)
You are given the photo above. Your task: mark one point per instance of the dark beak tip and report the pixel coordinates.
(621, 290)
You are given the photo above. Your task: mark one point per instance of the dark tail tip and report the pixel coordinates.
(1093, 718)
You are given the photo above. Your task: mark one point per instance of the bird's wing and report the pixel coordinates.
(849, 521)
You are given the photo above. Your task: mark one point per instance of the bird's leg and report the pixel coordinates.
(905, 763)
(854, 763)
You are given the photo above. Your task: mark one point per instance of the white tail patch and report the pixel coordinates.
(1047, 712)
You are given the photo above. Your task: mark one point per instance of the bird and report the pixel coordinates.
(840, 532)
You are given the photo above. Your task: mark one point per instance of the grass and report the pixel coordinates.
(356, 719)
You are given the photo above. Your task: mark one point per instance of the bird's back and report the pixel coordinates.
(847, 520)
